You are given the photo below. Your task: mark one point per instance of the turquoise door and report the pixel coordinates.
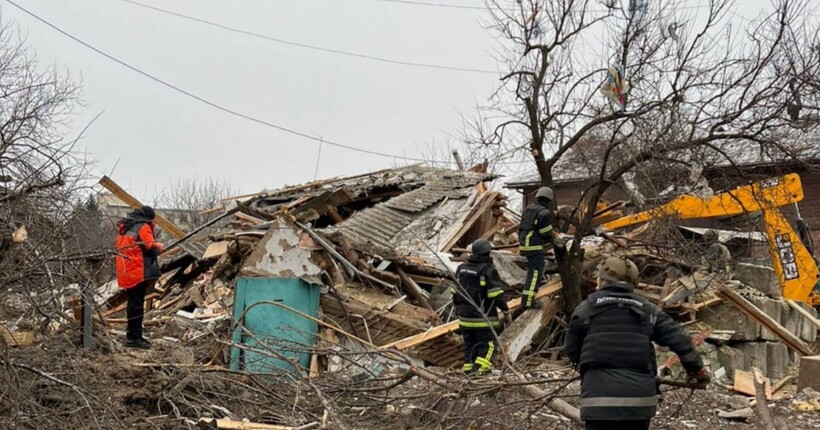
(274, 331)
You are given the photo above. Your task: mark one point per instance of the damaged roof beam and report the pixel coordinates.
(329, 248)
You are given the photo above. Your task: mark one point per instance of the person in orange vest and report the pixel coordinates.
(137, 268)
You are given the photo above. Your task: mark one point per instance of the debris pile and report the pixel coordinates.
(348, 281)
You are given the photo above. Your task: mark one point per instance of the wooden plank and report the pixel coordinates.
(429, 280)
(412, 288)
(249, 218)
(805, 313)
(519, 335)
(483, 205)
(441, 330)
(788, 338)
(123, 306)
(225, 424)
(17, 338)
(158, 321)
(130, 200)
(744, 384)
(493, 230)
(215, 249)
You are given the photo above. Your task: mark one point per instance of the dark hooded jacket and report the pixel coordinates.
(535, 231)
(481, 288)
(137, 250)
(610, 338)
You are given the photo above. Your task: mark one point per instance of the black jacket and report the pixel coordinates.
(480, 295)
(610, 338)
(536, 228)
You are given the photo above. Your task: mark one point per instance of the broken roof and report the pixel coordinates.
(392, 206)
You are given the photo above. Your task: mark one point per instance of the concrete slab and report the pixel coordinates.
(809, 374)
(760, 278)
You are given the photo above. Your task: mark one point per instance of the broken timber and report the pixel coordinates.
(518, 336)
(788, 338)
(225, 424)
(412, 288)
(132, 201)
(452, 326)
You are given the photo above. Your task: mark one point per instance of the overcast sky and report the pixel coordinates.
(154, 134)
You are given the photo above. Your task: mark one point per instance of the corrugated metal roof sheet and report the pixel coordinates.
(378, 228)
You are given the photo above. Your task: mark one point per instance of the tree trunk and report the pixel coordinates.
(569, 266)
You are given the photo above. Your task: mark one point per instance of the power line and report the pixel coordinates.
(433, 4)
(484, 8)
(313, 47)
(208, 102)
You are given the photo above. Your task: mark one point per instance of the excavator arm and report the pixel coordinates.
(794, 265)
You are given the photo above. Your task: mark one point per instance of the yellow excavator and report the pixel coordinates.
(794, 264)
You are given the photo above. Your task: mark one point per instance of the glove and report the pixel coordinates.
(701, 377)
(559, 241)
(506, 318)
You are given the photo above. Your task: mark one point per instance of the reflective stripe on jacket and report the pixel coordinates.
(536, 228)
(480, 294)
(610, 336)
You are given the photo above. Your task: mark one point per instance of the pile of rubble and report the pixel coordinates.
(355, 275)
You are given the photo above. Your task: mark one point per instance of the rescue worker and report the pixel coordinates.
(137, 268)
(534, 236)
(477, 302)
(718, 258)
(610, 338)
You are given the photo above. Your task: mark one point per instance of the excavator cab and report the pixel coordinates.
(792, 259)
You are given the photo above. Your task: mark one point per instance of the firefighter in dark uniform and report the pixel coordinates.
(610, 338)
(534, 235)
(717, 259)
(477, 302)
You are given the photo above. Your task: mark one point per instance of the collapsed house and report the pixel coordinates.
(364, 262)
(381, 247)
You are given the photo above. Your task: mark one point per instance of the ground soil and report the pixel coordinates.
(109, 387)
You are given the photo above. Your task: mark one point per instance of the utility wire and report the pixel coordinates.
(313, 47)
(433, 4)
(210, 103)
(484, 8)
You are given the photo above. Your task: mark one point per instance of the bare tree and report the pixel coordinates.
(694, 91)
(42, 178)
(194, 196)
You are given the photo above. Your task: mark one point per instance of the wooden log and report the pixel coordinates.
(763, 411)
(441, 330)
(334, 215)
(788, 338)
(557, 405)
(130, 200)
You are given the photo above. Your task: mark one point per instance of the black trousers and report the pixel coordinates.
(136, 309)
(617, 425)
(479, 349)
(535, 271)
